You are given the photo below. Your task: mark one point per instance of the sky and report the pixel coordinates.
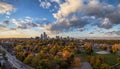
(74, 18)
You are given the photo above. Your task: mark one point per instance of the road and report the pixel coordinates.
(15, 62)
(84, 65)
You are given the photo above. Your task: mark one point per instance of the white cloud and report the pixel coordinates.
(91, 33)
(28, 17)
(57, 1)
(27, 23)
(113, 32)
(6, 8)
(81, 29)
(17, 23)
(74, 14)
(44, 4)
(70, 6)
(106, 23)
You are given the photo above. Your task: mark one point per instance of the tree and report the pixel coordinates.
(66, 54)
(54, 49)
(96, 66)
(21, 56)
(43, 64)
(99, 60)
(18, 48)
(88, 47)
(76, 62)
(118, 59)
(114, 48)
(57, 59)
(92, 60)
(37, 58)
(64, 65)
(96, 62)
(104, 66)
(28, 59)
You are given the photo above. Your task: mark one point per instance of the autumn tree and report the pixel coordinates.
(76, 62)
(91, 60)
(100, 59)
(28, 59)
(18, 48)
(88, 47)
(37, 58)
(114, 48)
(21, 55)
(54, 49)
(66, 54)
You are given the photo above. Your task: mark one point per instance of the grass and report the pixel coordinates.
(110, 59)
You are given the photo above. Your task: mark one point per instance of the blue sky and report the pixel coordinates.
(75, 18)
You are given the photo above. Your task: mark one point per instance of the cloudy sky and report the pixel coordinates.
(75, 18)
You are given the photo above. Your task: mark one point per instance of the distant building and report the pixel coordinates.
(41, 36)
(57, 37)
(68, 38)
(44, 36)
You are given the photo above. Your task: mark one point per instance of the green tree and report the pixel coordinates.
(28, 59)
(104, 66)
(118, 59)
(64, 65)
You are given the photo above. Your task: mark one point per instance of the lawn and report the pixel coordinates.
(110, 59)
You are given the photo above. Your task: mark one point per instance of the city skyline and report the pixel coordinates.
(74, 18)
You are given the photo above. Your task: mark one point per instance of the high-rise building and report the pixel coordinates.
(44, 36)
(41, 36)
(57, 37)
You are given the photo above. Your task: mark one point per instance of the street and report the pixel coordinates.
(15, 62)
